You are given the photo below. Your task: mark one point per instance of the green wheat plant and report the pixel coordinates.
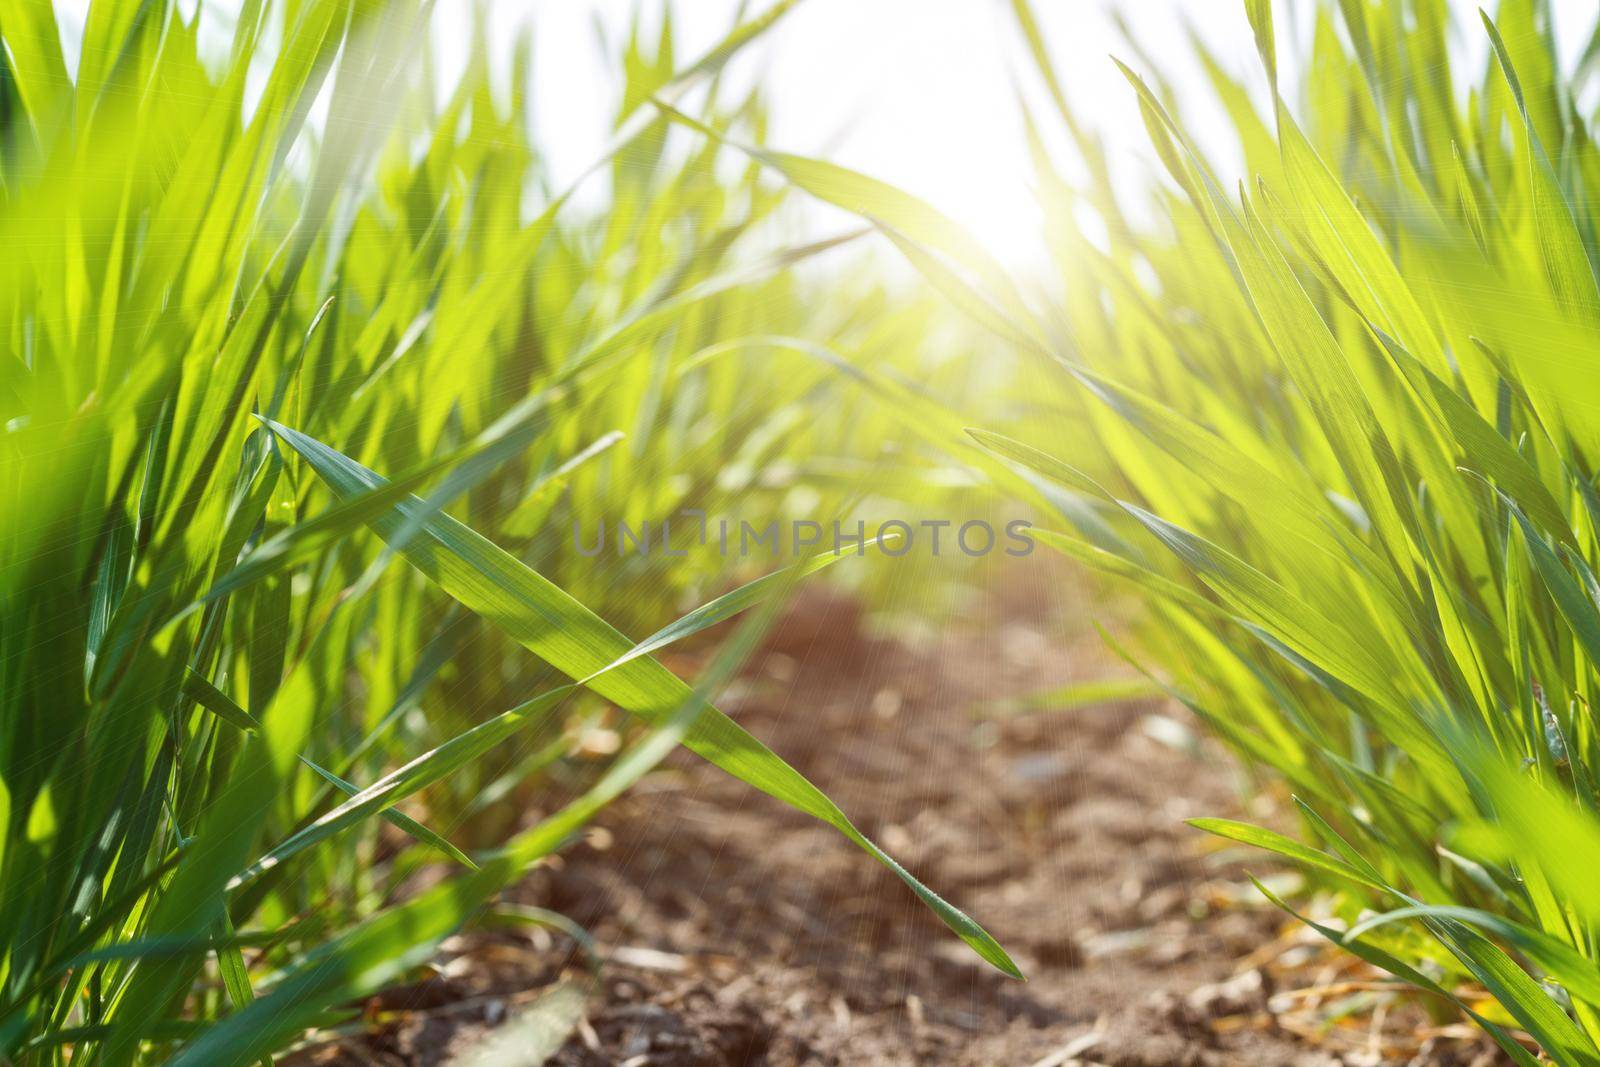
(305, 370)
(1344, 424)
(1337, 418)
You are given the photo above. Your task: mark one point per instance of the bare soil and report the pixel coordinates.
(738, 933)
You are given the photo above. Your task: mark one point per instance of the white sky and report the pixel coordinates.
(920, 93)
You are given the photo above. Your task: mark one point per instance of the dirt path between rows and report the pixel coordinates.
(739, 933)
